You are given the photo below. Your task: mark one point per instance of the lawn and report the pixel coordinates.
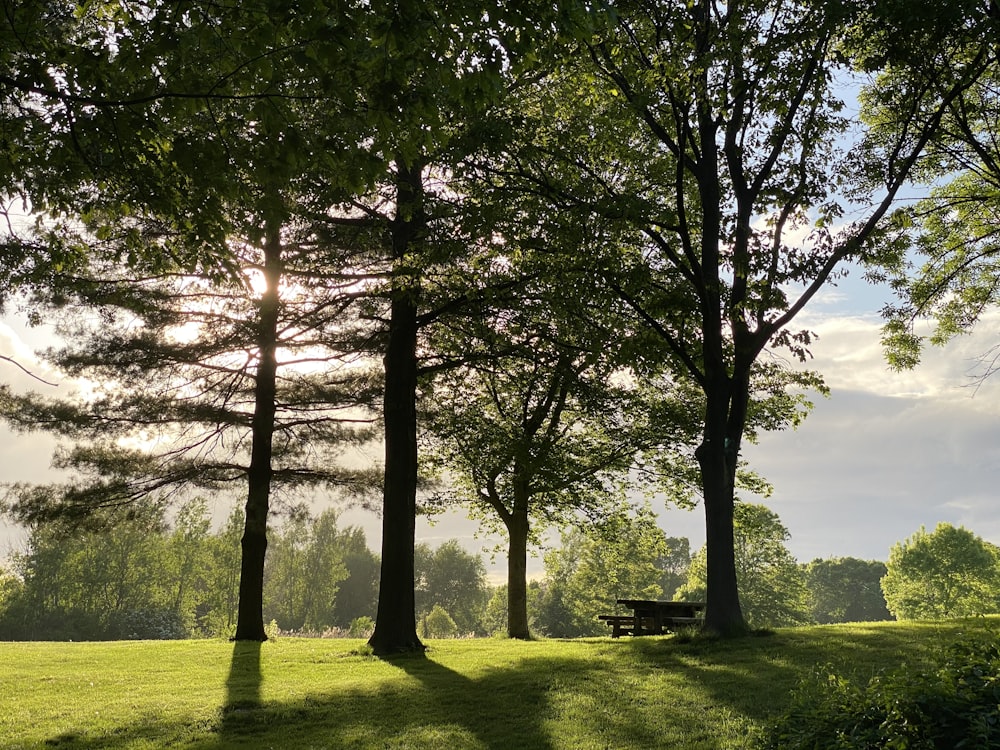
(490, 693)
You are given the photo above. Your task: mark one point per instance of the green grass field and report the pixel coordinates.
(490, 693)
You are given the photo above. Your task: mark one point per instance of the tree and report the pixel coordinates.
(453, 580)
(303, 572)
(357, 595)
(113, 580)
(172, 180)
(438, 624)
(674, 564)
(616, 558)
(430, 78)
(773, 591)
(534, 428)
(846, 589)
(713, 132)
(954, 231)
(217, 616)
(949, 572)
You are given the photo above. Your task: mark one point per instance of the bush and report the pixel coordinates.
(948, 705)
(437, 624)
(362, 627)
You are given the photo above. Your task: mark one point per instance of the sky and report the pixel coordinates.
(883, 455)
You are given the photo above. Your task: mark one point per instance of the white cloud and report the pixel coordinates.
(887, 452)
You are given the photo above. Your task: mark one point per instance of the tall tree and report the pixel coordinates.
(220, 130)
(453, 579)
(534, 429)
(439, 69)
(715, 131)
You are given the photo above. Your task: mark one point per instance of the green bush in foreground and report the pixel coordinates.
(952, 703)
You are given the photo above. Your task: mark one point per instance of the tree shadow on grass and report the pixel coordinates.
(243, 685)
(630, 693)
(429, 705)
(433, 707)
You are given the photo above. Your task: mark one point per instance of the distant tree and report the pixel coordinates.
(357, 594)
(773, 590)
(113, 580)
(949, 572)
(11, 587)
(437, 623)
(217, 615)
(303, 571)
(674, 564)
(454, 580)
(846, 589)
(495, 618)
(615, 558)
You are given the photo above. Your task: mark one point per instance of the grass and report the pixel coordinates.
(482, 694)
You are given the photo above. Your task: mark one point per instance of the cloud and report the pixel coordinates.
(887, 452)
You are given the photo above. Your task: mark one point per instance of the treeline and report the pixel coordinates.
(145, 577)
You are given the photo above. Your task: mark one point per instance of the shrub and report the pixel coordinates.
(272, 631)
(362, 627)
(950, 704)
(437, 624)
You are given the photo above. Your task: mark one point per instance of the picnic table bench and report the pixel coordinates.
(651, 617)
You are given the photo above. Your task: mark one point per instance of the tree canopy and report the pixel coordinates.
(948, 572)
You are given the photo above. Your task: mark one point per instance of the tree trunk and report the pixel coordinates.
(725, 415)
(395, 622)
(517, 575)
(250, 618)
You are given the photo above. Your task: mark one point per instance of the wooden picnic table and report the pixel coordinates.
(650, 617)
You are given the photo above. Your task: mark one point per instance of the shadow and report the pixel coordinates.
(243, 682)
(476, 707)
(243, 693)
(753, 675)
(622, 694)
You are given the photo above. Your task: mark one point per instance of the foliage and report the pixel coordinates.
(946, 704)
(618, 557)
(138, 577)
(947, 244)
(949, 572)
(453, 580)
(674, 564)
(528, 440)
(357, 594)
(361, 627)
(495, 621)
(846, 589)
(720, 164)
(303, 571)
(122, 581)
(773, 588)
(437, 624)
